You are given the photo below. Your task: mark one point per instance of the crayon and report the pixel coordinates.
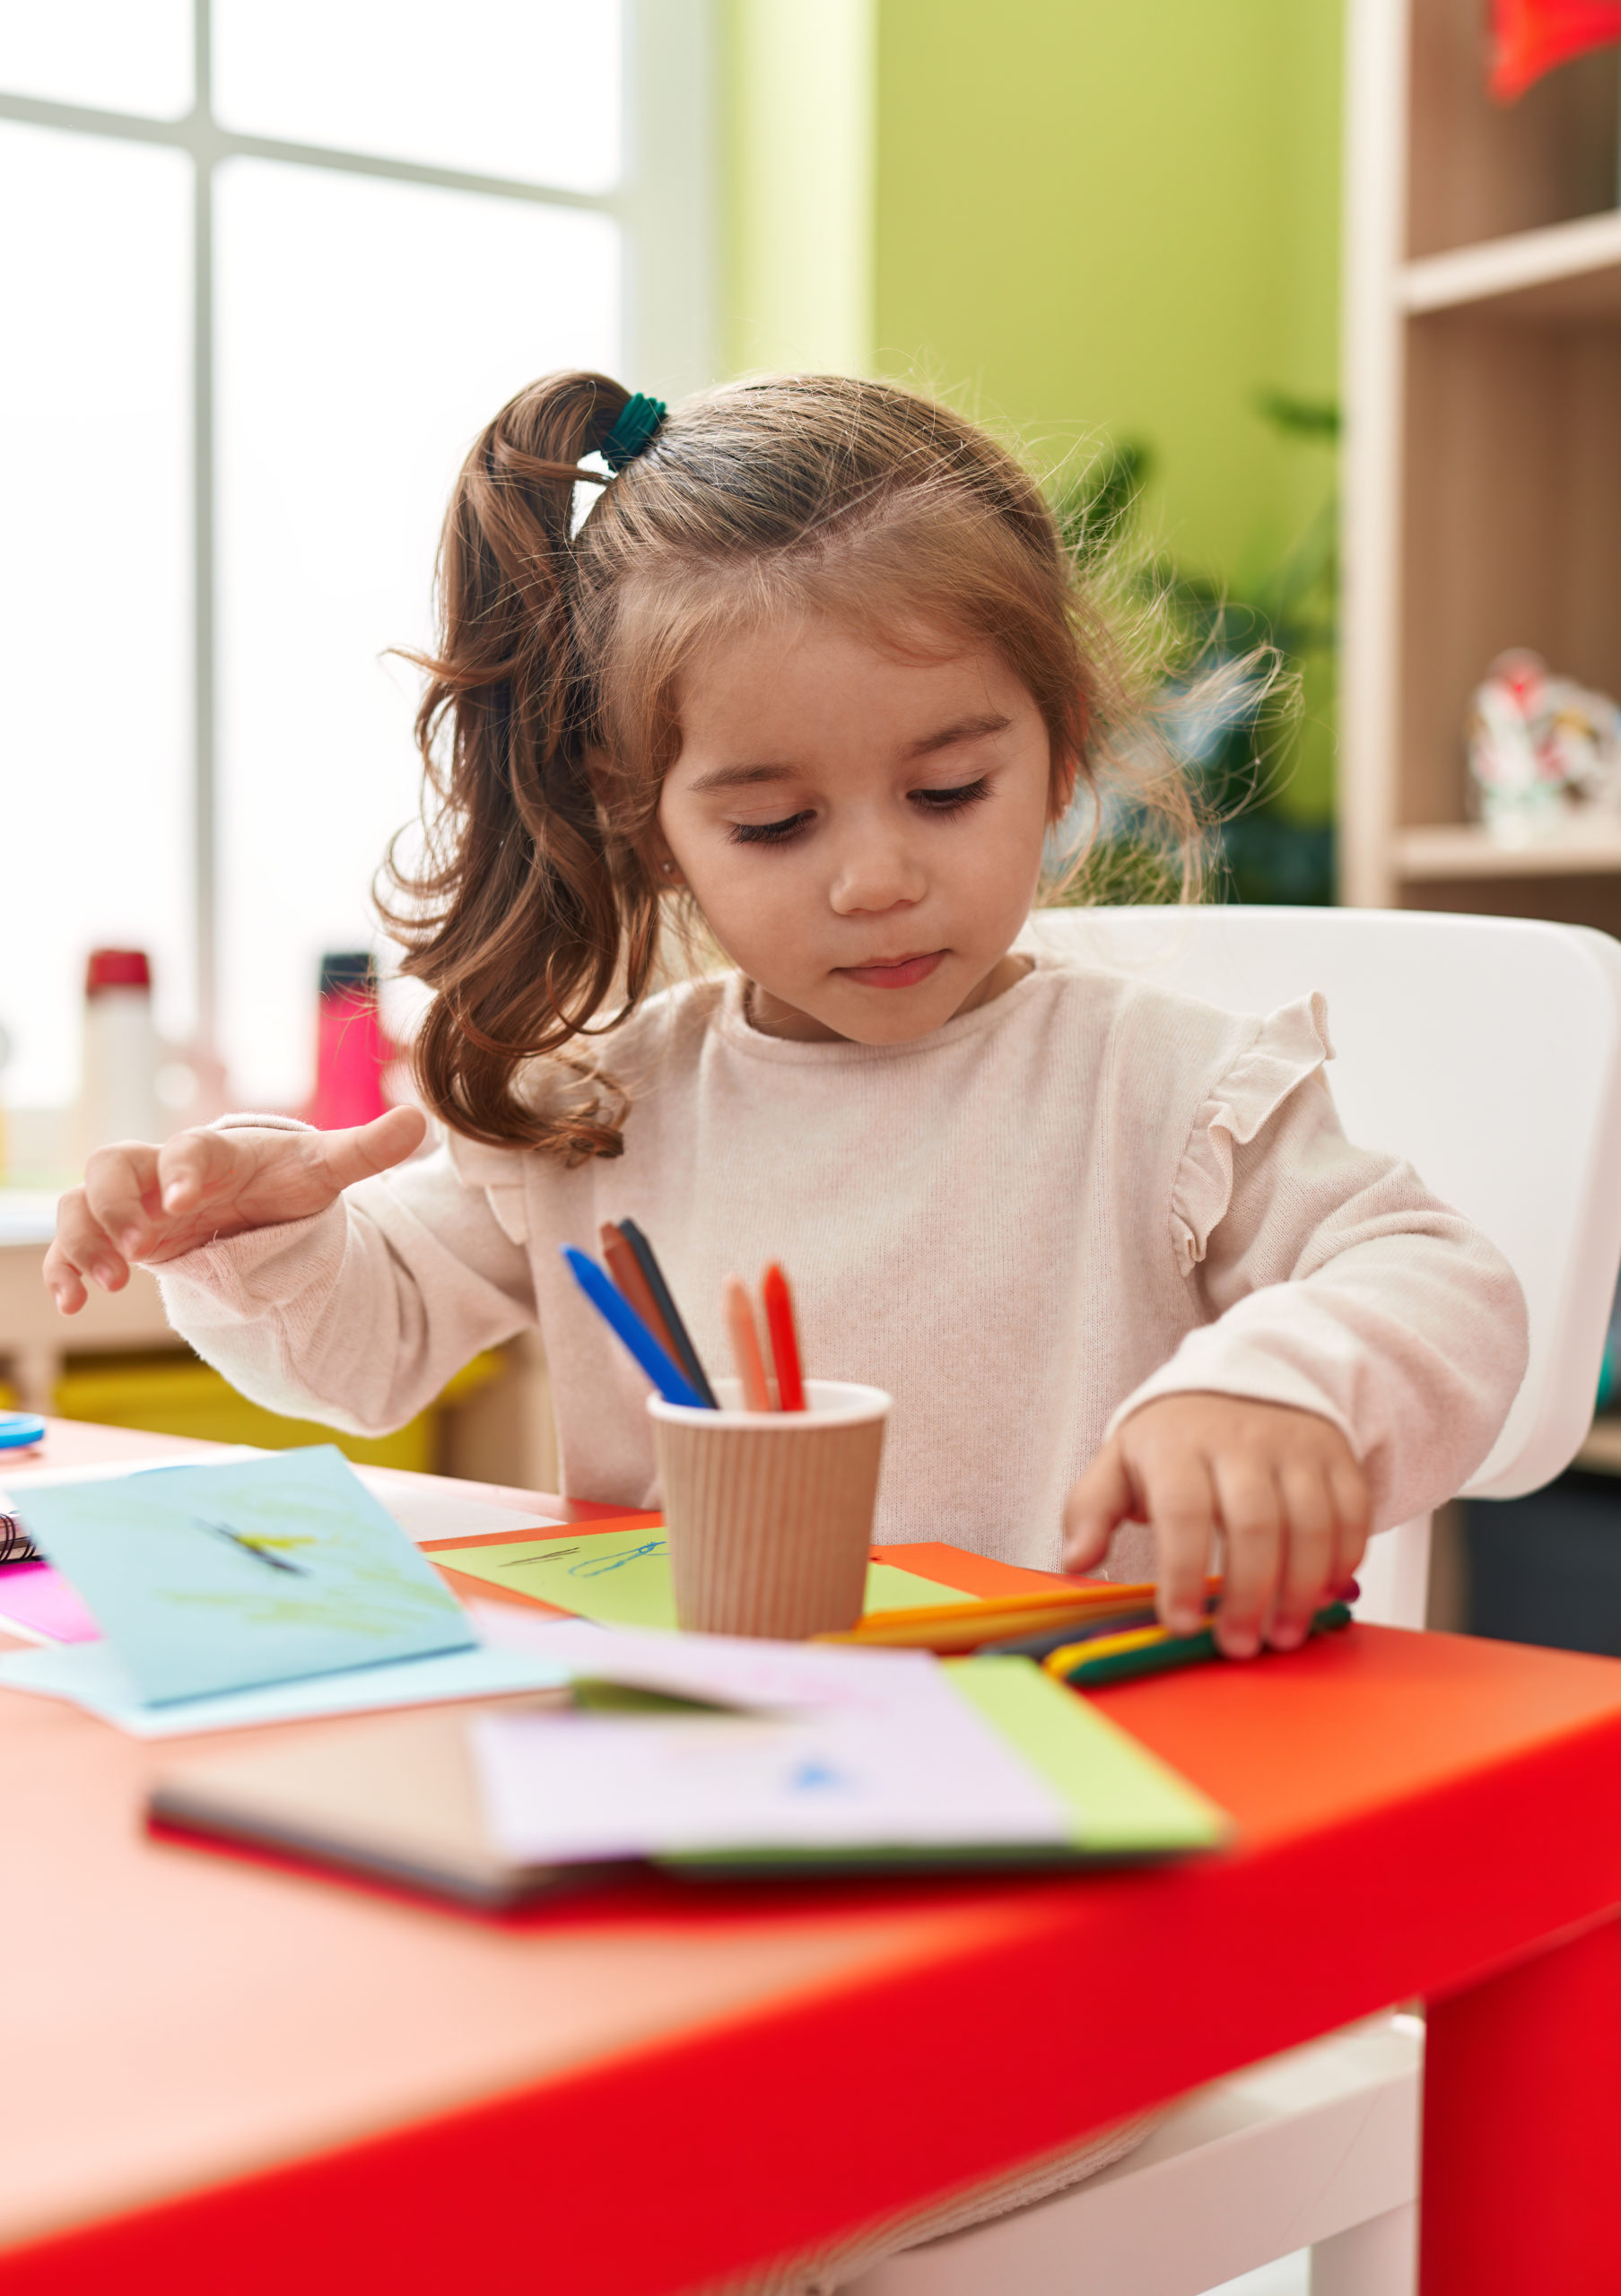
(682, 1350)
(745, 1344)
(623, 1321)
(785, 1339)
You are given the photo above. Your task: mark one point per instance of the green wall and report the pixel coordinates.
(1077, 218)
(1121, 215)
(1076, 215)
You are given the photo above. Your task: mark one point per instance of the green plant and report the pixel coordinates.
(1240, 673)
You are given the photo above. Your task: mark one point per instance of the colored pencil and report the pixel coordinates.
(625, 1269)
(1072, 1609)
(1151, 1650)
(685, 1353)
(626, 1324)
(745, 1343)
(1056, 1637)
(785, 1339)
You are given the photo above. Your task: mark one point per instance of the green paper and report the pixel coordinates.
(1123, 1800)
(623, 1577)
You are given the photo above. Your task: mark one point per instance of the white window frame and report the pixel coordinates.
(664, 205)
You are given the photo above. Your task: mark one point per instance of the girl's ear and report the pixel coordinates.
(661, 864)
(1062, 782)
(654, 853)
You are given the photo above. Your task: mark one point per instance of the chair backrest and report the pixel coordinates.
(1485, 1049)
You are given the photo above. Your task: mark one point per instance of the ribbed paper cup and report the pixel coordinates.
(770, 1513)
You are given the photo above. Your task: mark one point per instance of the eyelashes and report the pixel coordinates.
(940, 805)
(769, 832)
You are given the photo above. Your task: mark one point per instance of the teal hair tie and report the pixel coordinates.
(635, 428)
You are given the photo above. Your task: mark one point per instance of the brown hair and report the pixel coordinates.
(551, 713)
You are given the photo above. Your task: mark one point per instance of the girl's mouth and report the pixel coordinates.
(905, 973)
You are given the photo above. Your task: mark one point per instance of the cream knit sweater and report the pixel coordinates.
(1087, 1192)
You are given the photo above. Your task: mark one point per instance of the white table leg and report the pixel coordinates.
(1377, 2258)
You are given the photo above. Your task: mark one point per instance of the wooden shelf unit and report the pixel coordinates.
(1483, 459)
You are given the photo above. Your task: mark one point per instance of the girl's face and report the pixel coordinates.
(863, 833)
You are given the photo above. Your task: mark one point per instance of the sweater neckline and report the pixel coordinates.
(734, 1026)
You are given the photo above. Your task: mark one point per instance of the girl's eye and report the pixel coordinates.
(952, 801)
(770, 832)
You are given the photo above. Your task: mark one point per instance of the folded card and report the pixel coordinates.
(213, 1579)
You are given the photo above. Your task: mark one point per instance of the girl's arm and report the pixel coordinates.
(1336, 1283)
(359, 1313)
(1362, 1346)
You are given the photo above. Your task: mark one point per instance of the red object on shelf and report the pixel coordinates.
(117, 969)
(353, 1047)
(1530, 36)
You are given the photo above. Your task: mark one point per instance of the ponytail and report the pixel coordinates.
(521, 919)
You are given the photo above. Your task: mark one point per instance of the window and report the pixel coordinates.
(271, 267)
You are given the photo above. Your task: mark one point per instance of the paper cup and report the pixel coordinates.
(770, 1513)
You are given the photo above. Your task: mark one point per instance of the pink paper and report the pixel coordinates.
(40, 1600)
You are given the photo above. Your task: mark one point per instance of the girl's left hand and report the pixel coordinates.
(1281, 1487)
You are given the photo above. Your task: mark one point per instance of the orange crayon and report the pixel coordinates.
(745, 1343)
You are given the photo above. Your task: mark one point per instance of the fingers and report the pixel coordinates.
(1353, 1515)
(1309, 1560)
(355, 1155)
(1280, 1487)
(1097, 1505)
(1252, 1523)
(1180, 1501)
(81, 1248)
(63, 1280)
(192, 1166)
(121, 1194)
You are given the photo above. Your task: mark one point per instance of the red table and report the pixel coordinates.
(220, 2075)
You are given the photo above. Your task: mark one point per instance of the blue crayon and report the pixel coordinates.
(617, 1312)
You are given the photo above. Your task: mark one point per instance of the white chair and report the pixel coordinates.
(1487, 1050)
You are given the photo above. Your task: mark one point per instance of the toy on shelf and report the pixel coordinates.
(1541, 749)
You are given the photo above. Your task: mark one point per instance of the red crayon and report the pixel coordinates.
(785, 1339)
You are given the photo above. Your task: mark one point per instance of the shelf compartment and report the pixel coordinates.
(1511, 532)
(1569, 271)
(1576, 848)
(1480, 171)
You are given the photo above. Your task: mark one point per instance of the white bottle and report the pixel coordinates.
(117, 1090)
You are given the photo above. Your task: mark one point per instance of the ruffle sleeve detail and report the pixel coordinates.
(500, 1173)
(1287, 1046)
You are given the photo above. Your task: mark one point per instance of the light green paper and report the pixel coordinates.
(623, 1577)
(1123, 1800)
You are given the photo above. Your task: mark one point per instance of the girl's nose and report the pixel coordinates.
(874, 873)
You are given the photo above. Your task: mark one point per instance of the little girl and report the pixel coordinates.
(816, 660)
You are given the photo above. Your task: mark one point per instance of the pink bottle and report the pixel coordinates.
(353, 1047)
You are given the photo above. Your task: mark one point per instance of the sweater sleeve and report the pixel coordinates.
(359, 1316)
(1328, 1277)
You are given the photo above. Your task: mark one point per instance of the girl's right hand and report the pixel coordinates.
(140, 1202)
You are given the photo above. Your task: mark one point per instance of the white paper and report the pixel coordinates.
(721, 1669)
(23, 1478)
(907, 1771)
(432, 1514)
(88, 1674)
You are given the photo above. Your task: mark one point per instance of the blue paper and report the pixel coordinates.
(88, 1674)
(207, 1579)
